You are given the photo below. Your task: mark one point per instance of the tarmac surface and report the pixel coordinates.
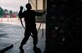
(11, 35)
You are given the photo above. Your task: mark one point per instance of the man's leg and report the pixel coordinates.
(35, 40)
(27, 34)
(35, 37)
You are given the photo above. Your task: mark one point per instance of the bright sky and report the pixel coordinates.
(12, 4)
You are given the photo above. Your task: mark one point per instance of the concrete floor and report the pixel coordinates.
(13, 33)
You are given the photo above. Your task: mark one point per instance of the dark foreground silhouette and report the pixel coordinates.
(30, 27)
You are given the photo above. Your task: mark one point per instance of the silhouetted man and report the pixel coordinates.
(30, 25)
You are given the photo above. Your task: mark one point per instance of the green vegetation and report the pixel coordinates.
(1, 12)
(6, 12)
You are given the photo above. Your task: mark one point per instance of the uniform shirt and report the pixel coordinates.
(29, 17)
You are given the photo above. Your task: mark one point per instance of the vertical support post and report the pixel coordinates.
(28, 1)
(43, 4)
(36, 8)
(36, 4)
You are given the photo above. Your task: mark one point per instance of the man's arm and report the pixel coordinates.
(20, 14)
(40, 13)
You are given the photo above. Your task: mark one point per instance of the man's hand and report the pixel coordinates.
(21, 8)
(44, 12)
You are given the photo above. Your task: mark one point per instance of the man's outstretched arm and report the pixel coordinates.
(40, 13)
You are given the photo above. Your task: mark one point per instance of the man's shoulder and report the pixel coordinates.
(28, 11)
(24, 11)
(33, 11)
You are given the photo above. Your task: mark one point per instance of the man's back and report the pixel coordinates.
(29, 17)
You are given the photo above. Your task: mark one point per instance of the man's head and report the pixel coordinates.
(28, 6)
